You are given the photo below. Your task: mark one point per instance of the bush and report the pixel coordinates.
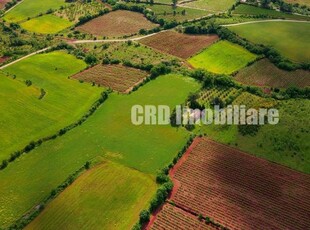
(144, 216)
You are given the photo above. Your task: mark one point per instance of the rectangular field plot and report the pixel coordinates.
(116, 77)
(170, 218)
(211, 5)
(264, 73)
(109, 196)
(240, 191)
(178, 44)
(222, 57)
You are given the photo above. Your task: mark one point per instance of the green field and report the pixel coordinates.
(46, 24)
(212, 5)
(27, 118)
(291, 39)
(109, 133)
(253, 10)
(109, 196)
(223, 57)
(32, 8)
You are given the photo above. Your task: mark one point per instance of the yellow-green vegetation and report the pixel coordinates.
(212, 5)
(109, 133)
(46, 24)
(63, 101)
(253, 10)
(32, 8)
(223, 57)
(109, 196)
(291, 39)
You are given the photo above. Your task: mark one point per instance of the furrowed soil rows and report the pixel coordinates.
(170, 218)
(178, 44)
(117, 23)
(240, 191)
(116, 77)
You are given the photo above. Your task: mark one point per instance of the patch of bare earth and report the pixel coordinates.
(3, 59)
(3, 2)
(171, 218)
(117, 23)
(179, 44)
(240, 191)
(117, 77)
(263, 73)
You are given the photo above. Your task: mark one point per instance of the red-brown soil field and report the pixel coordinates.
(117, 23)
(178, 44)
(264, 73)
(3, 59)
(171, 218)
(116, 77)
(3, 2)
(240, 191)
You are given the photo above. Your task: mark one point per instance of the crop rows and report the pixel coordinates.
(253, 101)
(116, 77)
(171, 217)
(240, 191)
(226, 95)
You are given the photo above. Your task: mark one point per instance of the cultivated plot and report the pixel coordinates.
(291, 39)
(99, 199)
(222, 57)
(46, 24)
(117, 77)
(179, 44)
(117, 23)
(211, 5)
(264, 74)
(240, 191)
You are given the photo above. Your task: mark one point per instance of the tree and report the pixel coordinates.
(174, 3)
(144, 216)
(91, 59)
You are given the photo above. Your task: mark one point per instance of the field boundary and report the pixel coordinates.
(261, 21)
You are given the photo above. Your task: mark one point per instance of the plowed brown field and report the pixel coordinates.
(117, 23)
(240, 191)
(116, 77)
(171, 218)
(3, 2)
(178, 44)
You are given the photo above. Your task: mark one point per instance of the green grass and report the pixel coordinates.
(291, 39)
(108, 133)
(253, 10)
(27, 118)
(32, 8)
(212, 5)
(223, 57)
(108, 196)
(46, 24)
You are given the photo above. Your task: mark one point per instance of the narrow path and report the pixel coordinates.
(12, 7)
(27, 56)
(260, 21)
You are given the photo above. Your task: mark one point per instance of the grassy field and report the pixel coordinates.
(222, 57)
(108, 133)
(135, 52)
(32, 8)
(109, 196)
(117, 23)
(253, 10)
(46, 24)
(291, 39)
(301, 2)
(212, 5)
(65, 100)
(264, 73)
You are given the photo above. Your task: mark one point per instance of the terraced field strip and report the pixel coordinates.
(171, 217)
(116, 77)
(264, 73)
(179, 44)
(240, 191)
